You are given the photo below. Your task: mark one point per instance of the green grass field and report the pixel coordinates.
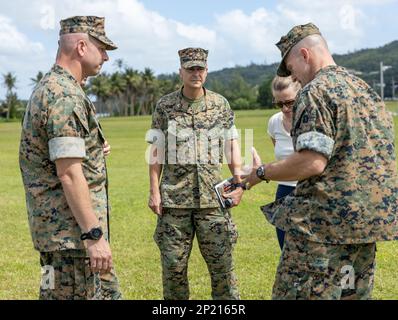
(132, 223)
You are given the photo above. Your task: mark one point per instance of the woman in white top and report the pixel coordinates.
(284, 91)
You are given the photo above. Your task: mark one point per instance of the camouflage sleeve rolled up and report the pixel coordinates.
(155, 135)
(66, 128)
(313, 127)
(230, 132)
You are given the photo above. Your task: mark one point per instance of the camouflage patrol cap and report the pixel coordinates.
(92, 25)
(193, 57)
(286, 43)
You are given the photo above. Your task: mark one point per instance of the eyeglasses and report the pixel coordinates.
(288, 104)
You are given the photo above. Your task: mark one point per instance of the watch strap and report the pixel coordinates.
(240, 185)
(89, 235)
(262, 177)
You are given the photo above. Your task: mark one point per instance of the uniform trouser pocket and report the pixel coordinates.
(216, 232)
(174, 236)
(110, 286)
(66, 275)
(303, 272)
(231, 228)
(309, 270)
(217, 235)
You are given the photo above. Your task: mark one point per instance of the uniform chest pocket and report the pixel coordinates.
(92, 129)
(215, 142)
(180, 136)
(180, 145)
(100, 132)
(82, 118)
(298, 119)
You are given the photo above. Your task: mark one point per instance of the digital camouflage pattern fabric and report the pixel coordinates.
(355, 199)
(191, 135)
(313, 271)
(193, 57)
(110, 289)
(287, 42)
(216, 235)
(66, 275)
(60, 122)
(92, 25)
(193, 143)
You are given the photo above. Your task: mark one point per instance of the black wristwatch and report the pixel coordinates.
(261, 173)
(93, 234)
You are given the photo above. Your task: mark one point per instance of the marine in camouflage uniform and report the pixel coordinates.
(191, 134)
(60, 122)
(334, 219)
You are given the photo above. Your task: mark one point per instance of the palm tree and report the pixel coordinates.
(9, 81)
(118, 87)
(37, 79)
(148, 86)
(119, 63)
(133, 83)
(127, 88)
(100, 87)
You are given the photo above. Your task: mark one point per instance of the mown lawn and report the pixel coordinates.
(132, 224)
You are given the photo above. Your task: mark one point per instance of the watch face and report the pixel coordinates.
(96, 233)
(260, 172)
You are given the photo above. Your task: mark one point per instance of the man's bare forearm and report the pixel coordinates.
(298, 166)
(155, 170)
(77, 193)
(234, 159)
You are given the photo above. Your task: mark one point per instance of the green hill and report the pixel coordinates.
(365, 62)
(253, 74)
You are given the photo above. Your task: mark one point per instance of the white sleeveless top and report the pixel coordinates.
(283, 141)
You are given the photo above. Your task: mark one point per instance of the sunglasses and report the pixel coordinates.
(288, 104)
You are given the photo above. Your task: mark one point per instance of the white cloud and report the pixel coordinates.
(342, 22)
(196, 33)
(14, 42)
(19, 55)
(253, 31)
(145, 38)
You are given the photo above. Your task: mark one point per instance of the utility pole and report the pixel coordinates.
(381, 81)
(382, 69)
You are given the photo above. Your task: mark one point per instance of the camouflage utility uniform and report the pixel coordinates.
(192, 134)
(333, 219)
(60, 122)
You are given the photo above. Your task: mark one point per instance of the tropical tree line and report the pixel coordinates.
(130, 92)
(127, 91)
(11, 107)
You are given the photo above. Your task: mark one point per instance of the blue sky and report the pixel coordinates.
(150, 32)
